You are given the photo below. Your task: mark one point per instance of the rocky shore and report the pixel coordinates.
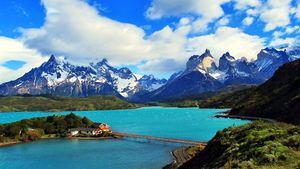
(182, 155)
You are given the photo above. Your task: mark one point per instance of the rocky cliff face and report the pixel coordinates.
(202, 74)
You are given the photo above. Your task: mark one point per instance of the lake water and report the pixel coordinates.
(179, 123)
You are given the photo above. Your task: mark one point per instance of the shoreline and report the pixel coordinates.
(10, 143)
(65, 111)
(251, 118)
(6, 144)
(181, 155)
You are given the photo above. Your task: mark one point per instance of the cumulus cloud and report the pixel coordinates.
(169, 46)
(233, 40)
(12, 49)
(224, 21)
(276, 13)
(245, 4)
(206, 10)
(289, 30)
(76, 30)
(298, 10)
(279, 42)
(162, 65)
(178, 48)
(248, 21)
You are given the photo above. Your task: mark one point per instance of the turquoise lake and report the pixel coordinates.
(178, 123)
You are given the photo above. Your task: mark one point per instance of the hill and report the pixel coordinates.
(255, 145)
(44, 127)
(278, 98)
(192, 101)
(51, 103)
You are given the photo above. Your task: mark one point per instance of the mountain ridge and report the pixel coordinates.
(59, 77)
(202, 74)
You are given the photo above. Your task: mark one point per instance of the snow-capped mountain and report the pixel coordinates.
(58, 77)
(150, 83)
(293, 52)
(202, 74)
(195, 79)
(269, 60)
(237, 71)
(203, 63)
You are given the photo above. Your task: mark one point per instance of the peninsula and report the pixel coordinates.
(69, 126)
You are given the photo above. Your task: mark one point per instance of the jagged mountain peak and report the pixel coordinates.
(207, 53)
(147, 77)
(59, 77)
(272, 53)
(202, 63)
(226, 61)
(51, 61)
(125, 70)
(103, 63)
(293, 51)
(269, 59)
(52, 58)
(227, 56)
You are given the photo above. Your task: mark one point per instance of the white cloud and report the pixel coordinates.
(278, 42)
(205, 10)
(169, 47)
(252, 12)
(292, 29)
(245, 4)
(12, 49)
(225, 39)
(184, 21)
(275, 13)
(233, 40)
(298, 10)
(289, 30)
(162, 65)
(76, 30)
(248, 21)
(224, 21)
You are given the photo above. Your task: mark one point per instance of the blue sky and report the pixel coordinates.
(149, 36)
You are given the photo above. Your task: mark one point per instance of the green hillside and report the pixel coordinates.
(255, 145)
(51, 103)
(278, 98)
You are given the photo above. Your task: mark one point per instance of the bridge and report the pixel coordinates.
(118, 134)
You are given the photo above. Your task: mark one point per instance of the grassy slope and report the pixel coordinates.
(50, 103)
(192, 101)
(255, 145)
(278, 98)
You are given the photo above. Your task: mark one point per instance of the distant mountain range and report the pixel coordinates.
(58, 77)
(202, 74)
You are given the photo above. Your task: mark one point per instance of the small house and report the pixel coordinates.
(98, 129)
(85, 131)
(104, 127)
